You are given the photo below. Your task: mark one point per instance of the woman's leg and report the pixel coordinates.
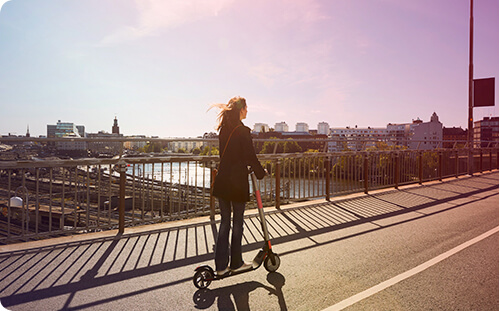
(236, 257)
(222, 248)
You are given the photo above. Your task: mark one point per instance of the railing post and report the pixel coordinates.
(471, 160)
(213, 172)
(327, 177)
(365, 171)
(396, 172)
(480, 160)
(278, 184)
(440, 166)
(420, 167)
(491, 161)
(122, 169)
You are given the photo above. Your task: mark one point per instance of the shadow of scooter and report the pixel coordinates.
(205, 298)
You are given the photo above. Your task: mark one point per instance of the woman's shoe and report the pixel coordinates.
(245, 266)
(223, 272)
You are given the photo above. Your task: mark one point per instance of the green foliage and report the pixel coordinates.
(296, 168)
(349, 166)
(430, 163)
(289, 146)
(151, 147)
(383, 146)
(196, 151)
(207, 150)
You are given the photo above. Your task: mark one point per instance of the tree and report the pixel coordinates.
(151, 147)
(196, 151)
(289, 146)
(292, 146)
(212, 151)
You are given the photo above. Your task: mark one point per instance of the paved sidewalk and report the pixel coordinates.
(64, 273)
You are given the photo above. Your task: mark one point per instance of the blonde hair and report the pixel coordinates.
(229, 114)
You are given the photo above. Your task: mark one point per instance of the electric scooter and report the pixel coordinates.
(204, 275)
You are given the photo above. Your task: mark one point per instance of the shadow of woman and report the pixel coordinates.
(205, 298)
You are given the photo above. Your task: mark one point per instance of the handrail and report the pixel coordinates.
(68, 196)
(361, 139)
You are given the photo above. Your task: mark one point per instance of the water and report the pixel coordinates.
(195, 174)
(183, 173)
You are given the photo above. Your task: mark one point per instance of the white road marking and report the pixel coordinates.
(380, 287)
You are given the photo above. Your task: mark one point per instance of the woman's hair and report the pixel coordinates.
(229, 114)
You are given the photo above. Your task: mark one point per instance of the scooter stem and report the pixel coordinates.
(261, 209)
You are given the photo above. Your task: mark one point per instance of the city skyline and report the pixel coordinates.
(159, 65)
(291, 127)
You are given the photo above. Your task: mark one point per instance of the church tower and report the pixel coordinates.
(116, 128)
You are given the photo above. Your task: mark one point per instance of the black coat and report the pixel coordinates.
(231, 181)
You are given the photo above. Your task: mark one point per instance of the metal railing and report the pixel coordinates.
(47, 198)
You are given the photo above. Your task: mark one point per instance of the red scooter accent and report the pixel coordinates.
(204, 275)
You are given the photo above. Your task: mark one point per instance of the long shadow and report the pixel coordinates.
(380, 227)
(59, 261)
(205, 298)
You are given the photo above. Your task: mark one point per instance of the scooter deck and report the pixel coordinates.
(233, 272)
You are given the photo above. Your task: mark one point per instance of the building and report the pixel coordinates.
(454, 137)
(281, 127)
(323, 128)
(175, 146)
(260, 127)
(302, 127)
(427, 135)
(211, 140)
(67, 132)
(62, 129)
(400, 134)
(135, 145)
(115, 129)
(103, 144)
(418, 134)
(355, 139)
(485, 132)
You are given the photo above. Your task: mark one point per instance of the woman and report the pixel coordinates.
(231, 183)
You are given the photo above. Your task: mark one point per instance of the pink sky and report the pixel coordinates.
(158, 65)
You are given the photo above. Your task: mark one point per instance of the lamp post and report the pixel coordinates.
(470, 136)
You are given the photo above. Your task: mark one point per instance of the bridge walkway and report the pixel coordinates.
(77, 272)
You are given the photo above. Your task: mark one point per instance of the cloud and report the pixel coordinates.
(155, 16)
(2, 2)
(305, 11)
(267, 72)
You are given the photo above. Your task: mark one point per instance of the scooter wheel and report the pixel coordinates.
(203, 278)
(268, 264)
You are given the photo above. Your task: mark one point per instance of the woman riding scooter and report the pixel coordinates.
(231, 185)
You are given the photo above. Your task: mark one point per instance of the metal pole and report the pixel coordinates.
(213, 172)
(491, 161)
(365, 171)
(480, 160)
(440, 168)
(470, 136)
(122, 169)
(327, 175)
(278, 185)
(396, 172)
(420, 167)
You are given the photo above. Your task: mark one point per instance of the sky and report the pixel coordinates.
(158, 65)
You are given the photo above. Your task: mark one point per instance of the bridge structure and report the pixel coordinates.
(139, 226)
